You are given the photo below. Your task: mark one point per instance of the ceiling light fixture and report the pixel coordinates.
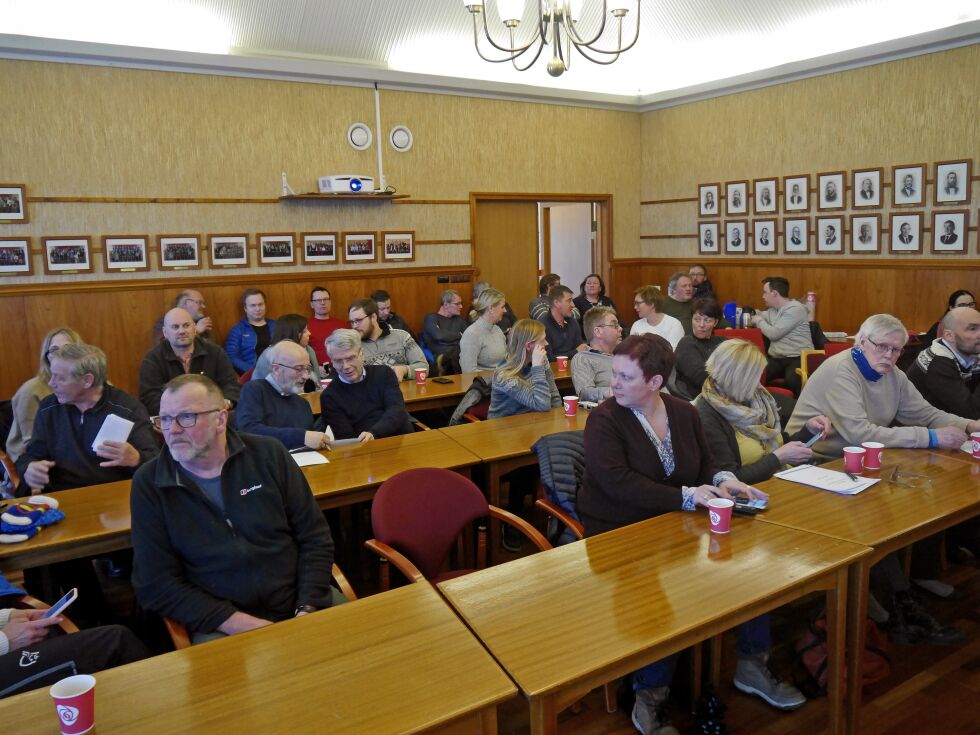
(557, 27)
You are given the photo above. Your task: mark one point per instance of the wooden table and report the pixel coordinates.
(397, 662)
(564, 621)
(886, 517)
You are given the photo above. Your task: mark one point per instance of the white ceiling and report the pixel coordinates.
(687, 48)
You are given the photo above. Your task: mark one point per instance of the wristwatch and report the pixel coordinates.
(303, 609)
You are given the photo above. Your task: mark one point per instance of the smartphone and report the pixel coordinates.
(749, 507)
(812, 440)
(443, 381)
(59, 607)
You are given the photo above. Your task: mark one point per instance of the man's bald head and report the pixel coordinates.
(178, 329)
(289, 366)
(961, 329)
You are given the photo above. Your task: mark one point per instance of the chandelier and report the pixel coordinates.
(557, 27)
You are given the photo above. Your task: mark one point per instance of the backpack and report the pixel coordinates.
(812, 651)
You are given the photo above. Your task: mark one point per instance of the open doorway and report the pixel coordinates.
(565, 243)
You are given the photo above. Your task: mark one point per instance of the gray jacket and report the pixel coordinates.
(394, 347)
(787, 329)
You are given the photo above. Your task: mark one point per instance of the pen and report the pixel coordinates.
(851, 475)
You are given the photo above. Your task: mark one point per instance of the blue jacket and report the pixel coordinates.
(240, 344)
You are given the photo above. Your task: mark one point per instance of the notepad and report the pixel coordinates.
(824, 479)
(114, 428)
(305, 459)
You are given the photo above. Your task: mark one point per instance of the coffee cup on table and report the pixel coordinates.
(571, 405)
(720, 515)
(854, 459)
(975, 439)
(873, 452)
(420, 375)
(562, 362)
(74, 703)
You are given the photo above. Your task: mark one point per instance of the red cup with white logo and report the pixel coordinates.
(420, 375)
(854, 459)
(571, 405)
(562, 363)
(74, 702)
(325, 383)
(872, 455)
(720, 515)
(975, 438)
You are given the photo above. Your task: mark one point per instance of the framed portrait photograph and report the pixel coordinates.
(736, 236)
(796, 193)
(398, 245)
(905, 233)
(67, 254)
(276, 248)
(360, 247)
(765, 192)
(708, 195)
(950, 230)
(737, 197)
(830, 235)
(179, 251)
(866, 187)
(228, 250)
(15, 256)
(865, 233)
(796, 235)
(708, 238)
(908, 184)
(764, 236)
(13, 204)
(952, 182)
(319, 247)
(830, 191)
(124, 253)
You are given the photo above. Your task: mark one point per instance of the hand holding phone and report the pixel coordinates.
(812, 440)
(59, 607)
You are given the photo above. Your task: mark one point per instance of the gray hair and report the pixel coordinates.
(343, 339)
(879, 325)
(85, 359)
(277, 350)
(672, 283)
(479, 287)
(447, 295)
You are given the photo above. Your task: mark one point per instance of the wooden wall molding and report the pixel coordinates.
(890, 263)
(207, 200)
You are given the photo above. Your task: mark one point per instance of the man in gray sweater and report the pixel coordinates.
(592, 368)
(786, 324)
(383, 345)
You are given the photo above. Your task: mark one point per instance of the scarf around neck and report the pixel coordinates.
(869, 373)
(758, 420)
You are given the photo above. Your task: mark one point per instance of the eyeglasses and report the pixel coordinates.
(638, 302)
(319, 301)
(184, 420)
(968, 304)
(355, 322)
(304, 369)
(611, 325)
(456, 303)
(885, 349)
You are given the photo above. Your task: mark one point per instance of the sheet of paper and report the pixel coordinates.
(820, 477)
(305, 459)
(114, 428)
(345, 442)
(967, 446)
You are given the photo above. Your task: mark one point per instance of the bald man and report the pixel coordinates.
(947, 372)
(182, 351)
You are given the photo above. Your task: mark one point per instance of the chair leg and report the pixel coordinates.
(697, 673)
(384, 575)
(907, 561)
(481, 546)
(609, 690)
(716, 662)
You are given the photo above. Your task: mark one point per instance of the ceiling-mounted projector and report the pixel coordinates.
(346, 184)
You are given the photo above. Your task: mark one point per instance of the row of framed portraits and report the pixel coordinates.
(125, 253)
(951, 185)
(865, 236)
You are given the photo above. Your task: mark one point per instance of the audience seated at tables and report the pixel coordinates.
(648, 303)
(538, 308)
(507, 320)
(646, 455)
(192, 301)
(226, 534)
(560, 325)
(947, 372)
(364, 402)
(786, 324)
(321, 324)
(592, 293)
(252, 334)
(592, 368)
(181, 351)
(694, 350)
(295, 328)
(28, 397)
(386, 316)
(382, 345)
(484, 345)
(702, 284)
(960, 297)
(443, 329)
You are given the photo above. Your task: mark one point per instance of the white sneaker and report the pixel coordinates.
(648, 716)
(752, 676)
(936, 587)
(875, 611)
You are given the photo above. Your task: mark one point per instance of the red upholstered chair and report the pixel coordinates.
(832, 348)
(418, 516)
(478, 412)
(8, 473)
(810, 360)
(246, 376)
(754, 335)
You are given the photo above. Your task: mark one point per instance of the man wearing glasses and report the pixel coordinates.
(592, 368)
(384, 345)
(226, 534)
(273, 407)
(442, 330)
(321, 324)
(191, 301)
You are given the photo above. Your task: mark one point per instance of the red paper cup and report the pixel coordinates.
(975, 437)
(872, 455)
(74, 701)
(420, 375)
(562, 363)
(571, 405)
(720, 514)
(854, 459)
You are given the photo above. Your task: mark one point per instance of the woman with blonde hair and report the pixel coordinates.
(483, 346)
(524, 383)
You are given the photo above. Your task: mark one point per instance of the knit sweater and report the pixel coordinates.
(264, 410)
(161, 364)
(787, 329)
(394, 347)
(482, 347)
(592, 375)
(533, 390)
(945, 382)
(373, 404)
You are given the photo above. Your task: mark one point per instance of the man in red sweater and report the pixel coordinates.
(321, 324)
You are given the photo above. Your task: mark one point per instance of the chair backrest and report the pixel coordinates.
(8, 475)
(809, 361)
(246, 376)
(750, 334)
(817, 336)
(561, 458)
(475, 395)
(421, 512)
(832, 348)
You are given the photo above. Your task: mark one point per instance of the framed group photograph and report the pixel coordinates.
(866, 187)
(830, 191)
(125, 253)
(276, 248)
(865, 233)
(398, 245)
(765, 193)
(737, 197)
(764, 236)
(13, 204)
(319, 247)
(950, 230)
(179, 251)
(15, 256)
(708, 195)
(908, 185)
(796, 193)
(736, 240)
(360, 247)
(67, 255)
(952, 182)
(796, 235)
(708, 238)
(228, 250)
(905, 233)
(830, 234)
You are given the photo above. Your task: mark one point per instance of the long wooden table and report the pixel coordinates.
(565, 621)
(886, 517)
(397, 662)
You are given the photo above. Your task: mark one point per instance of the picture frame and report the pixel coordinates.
(228, 250)
(319, 247)
(831, 192)
(950, 231)
(125, 253)
(765, 233)
(179, 252)
(276, 248)
(765, 195)
(796, 193)
(708, 194)
(67, 254)
(13, 204)
(398, 245)
(865, 234)
(736, 237)
(908, 185)
(866, 187)
(708, 238)
(904, 225)
(796, 235)
(952, 182)
(737, 197)
(360, 247)
(15, 256)
(829, 235)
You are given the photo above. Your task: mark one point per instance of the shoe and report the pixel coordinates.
(648, 712)
(875, 611)
(752, 676)
(912, 623)
(512, 540)
(935, 587)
